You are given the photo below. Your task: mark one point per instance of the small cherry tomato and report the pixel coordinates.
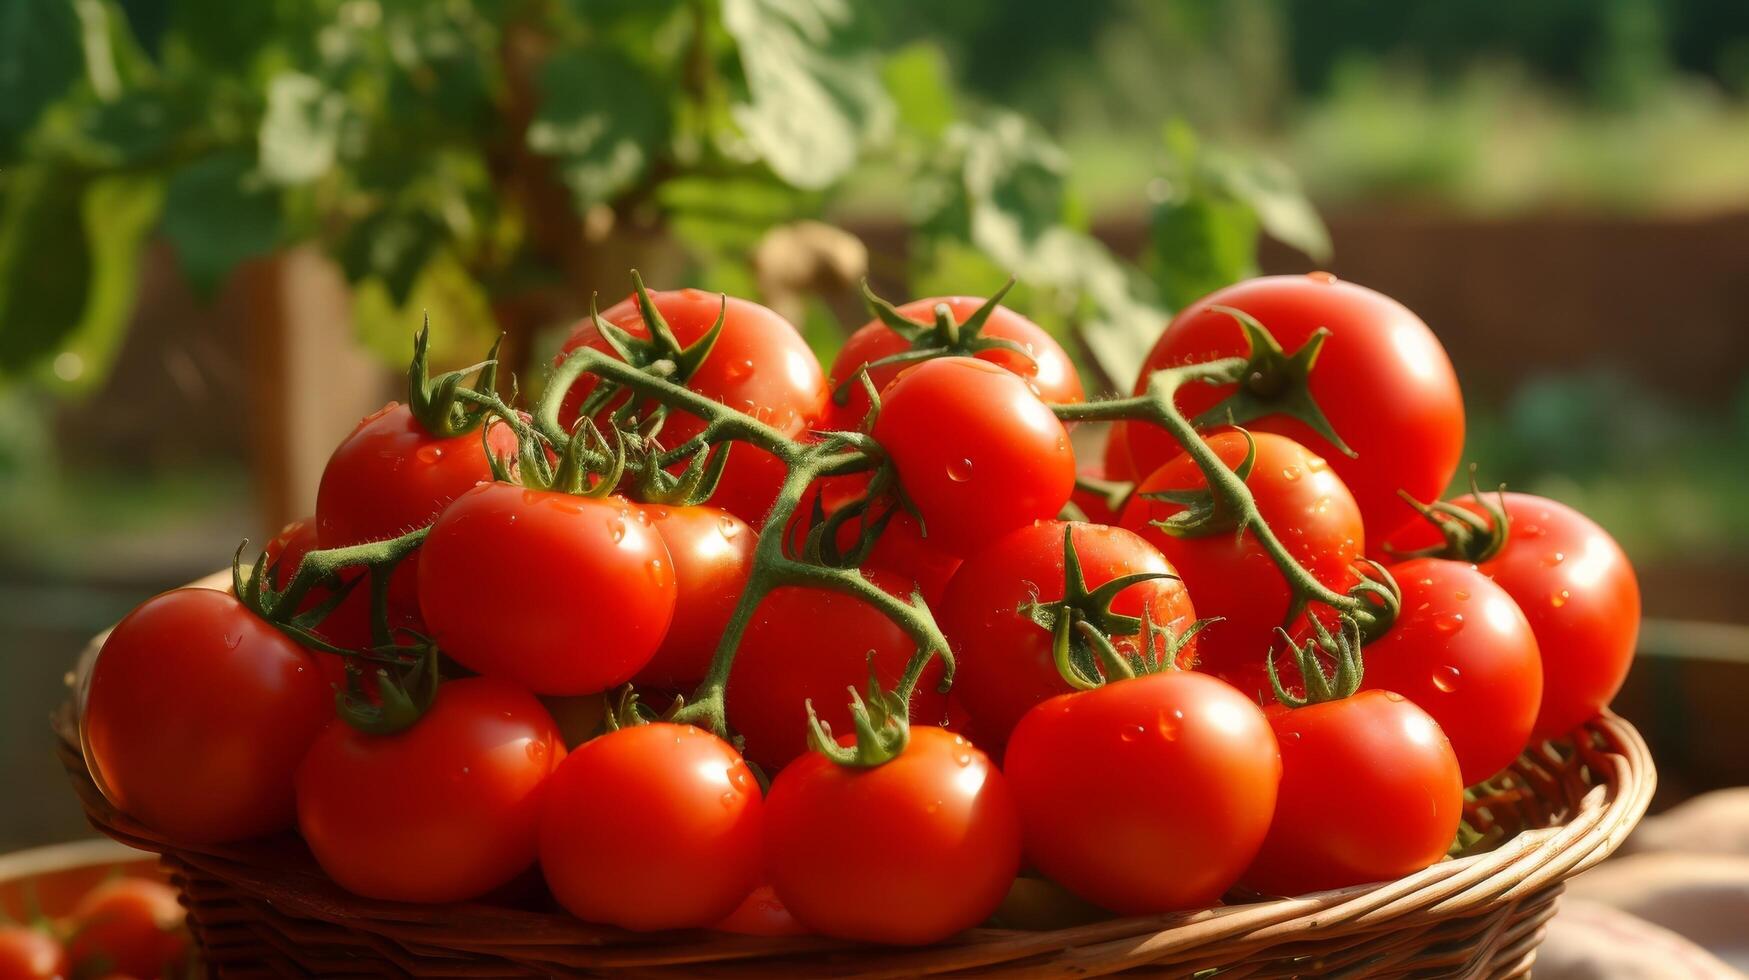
(1464, 653)
(444, 811)
(1145, 795)
(911, 851)
(559, 593)
(1370, 791)
(712, 552)
(654, 826)
(129, 926)
(30, 954)
(978, 453)
(198, 713)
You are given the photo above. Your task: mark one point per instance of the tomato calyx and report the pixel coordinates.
(280, 607)
(1206, 513)
(1343, 650)
(627, 711)
(1469, 537)
(660, 355)
(942, 337)
(438, 404)
(882, 726)
(588, 464)
(1273, 382)
(401, 695)
(693, 485)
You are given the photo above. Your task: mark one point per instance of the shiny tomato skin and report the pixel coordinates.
(443, 811)
(760, 365)
(813, 644)
(30, 954)
(129, 926)
(1370, 791)
(1115, 456)
(1577, 589)
(1145, 795)
(1004, 664)
(908, 852)
(198, 714)
(562, 594)
(1301, 500)
(712, 552)
(654, 826)
(977, 452)
(1049, 369)
(902, 550)
(1463, 652)
(1382, 379)
(761, 913)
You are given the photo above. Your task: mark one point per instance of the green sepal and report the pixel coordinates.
(882, 726)
(1273, 383)
(693, 485)
(403, 695)
(1343, 648)
(627, 711)
(1082, 622)
(435, 402)
(661, 353)
(942, 336)
(1468, 536)
(1204, 513)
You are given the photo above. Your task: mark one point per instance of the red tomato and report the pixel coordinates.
(1382, 379)
(390, 476)
(977, 452)
(129, 926)
(444, 811)
(1301, 500)
(652, 827)
(712, 551)
(1048, 368)
(760, 365)
(1005, 664)
(1577, 590)
(30, 954)
(1369, 792)
(807, 643)
(911, 851)
(198, 713)
(559, 593)
(901, 550)
(346, 625)
(1145, 795)
(1463, 652)
(761, 913)
(1115, 458)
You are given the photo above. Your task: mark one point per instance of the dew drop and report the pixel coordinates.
(1462, 595)
(1528, 531)
(1290, 473)
(658, 571)
(1131, 733)
(960, 472)
(1290, 736)
(963, 759)
(1326, 278)
(429, 453)
(729, 798)
(1393, 696)
(1445, 678)
(1317, 464)
(739, 370)
(728, 526)
(616, 529)
(1554, 558)
(1448, 622)
(1559, 598)
(1169, 724)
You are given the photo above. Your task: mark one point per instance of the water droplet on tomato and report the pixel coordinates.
(1448, 622)
(1528, 530)
(1290, 736)
(1559, 598)
(1169, 724)
(1554, 558)
(739, 370)
(429, 453)
(1461, 595)
(1132, 732)
(616, 529)
(1290, 473)
(729, 798)
(1393, 696)
(1445, 678)
(1326, 278)
(963, 759)
(1317, 464)
(658, 571)
(728, 526)
(960, 472)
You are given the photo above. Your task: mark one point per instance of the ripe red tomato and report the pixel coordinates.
(1004, 659)
(1048, 368)
(977, 452)
(1578, 591)
(30, 954)
(712, 551)
(760, 365)
(1369, 792)
(761, 913)
(1145, 795)
(1463, 652)
(444, 811)
(559, 593)
(911, 851)
(807, 643)
(131, 927)
(198, 713)
(390, 476)
(1382, 379)
(1115, 457)
(1300, 499)
(655, 826)
(901, 550)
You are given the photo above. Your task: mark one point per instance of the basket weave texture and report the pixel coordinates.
(263, 908)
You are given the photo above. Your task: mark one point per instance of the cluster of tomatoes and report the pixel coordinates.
(122, 928)
(1360, 659)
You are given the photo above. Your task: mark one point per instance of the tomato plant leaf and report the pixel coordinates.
(392, 246)
(40, 58)
(45, 263)
(602, 118)
(921, 87)
(118, 214)
(217, 213)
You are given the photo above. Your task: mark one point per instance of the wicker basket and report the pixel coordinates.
(263, 908)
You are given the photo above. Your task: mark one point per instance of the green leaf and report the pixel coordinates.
(393, 247)
(217, 213)
(40, 58)
(1200, 244)
(921, 87)
(460, 314)
(45, 263)
(134, 130)
(814, 96)
(602, 118)
(300, 131)
(119, 214)
(1272, 192)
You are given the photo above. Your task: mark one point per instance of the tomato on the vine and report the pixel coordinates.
(560, 593)
(655, 826)
(30, 954)
(807, 643)
(911, 851)
(348, 624)
(1578, 591)
(712, 552)
(1004, 660)
(128, 927)
(1369, 791)
(1382, 379)
(198, 713)
(759, 365)
(1145, 795)
(1041, 361)
(976, 450)
(1301, 500)
(443, 811)
(1462, 651)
